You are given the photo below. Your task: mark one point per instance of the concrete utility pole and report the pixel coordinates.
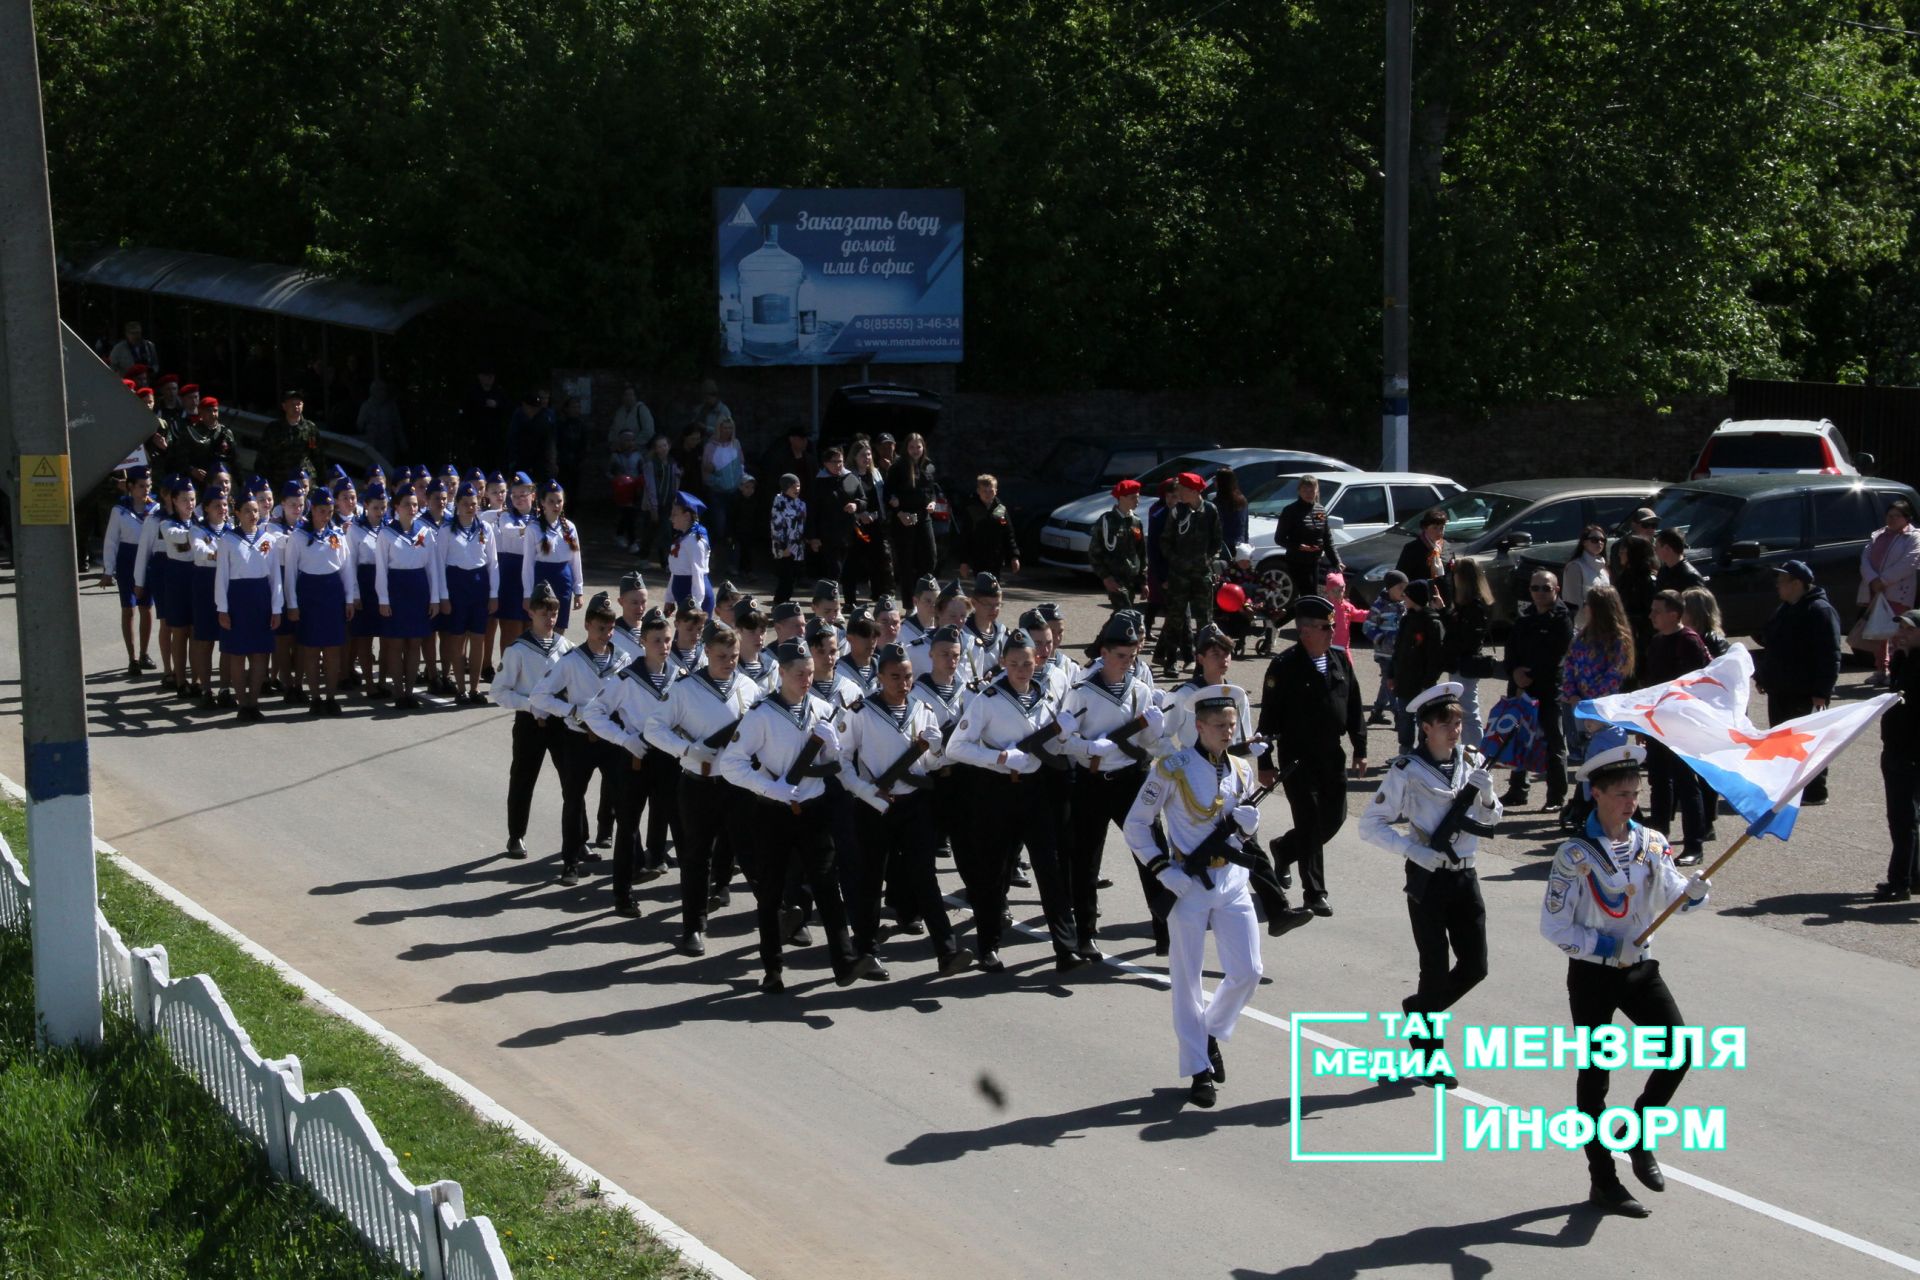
(1393, 313)
(33, 420)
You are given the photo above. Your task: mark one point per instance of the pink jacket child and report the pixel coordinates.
(1345, 611)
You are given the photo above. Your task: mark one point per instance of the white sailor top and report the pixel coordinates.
(124, 526)
(509, 532)
(1600, 896)
(469, 547)
(840, 694)
(995, 719)
(912, 629)
(317, 552)
(1188, 794)
(760, 669)
(522, 665)
(862, 679)
(878, 735)
(688, 558)
(242, 558)
(946, 707)
(364, 541)
(697, 707)
(1098, 711)
(627, 639)
(1178, 706)
(686, 661)
(769, 739)
(550, 544)
(407, 549)
(168, 536)
(920, 656)
(575, 681)
(206, 543)
(620, 713)
(987, 649)
(283, 535)
(1420, 792)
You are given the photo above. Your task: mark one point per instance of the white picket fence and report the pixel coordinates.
(323, 1140)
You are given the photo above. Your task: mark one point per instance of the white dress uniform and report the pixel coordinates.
(402, 553)
(1191, 794)
(163, 536)
(523, 665)
(695, 708)
(1419, 793)
(1178, 702)
(627, 639)
(920, 656)
(552, 545)
(1600, 897)
(862, 678)
(316, 552)
(840, 694)
(911, 629)
(761, 669)
(124, 527)
(873, 740)
(566, 692)
(944, 705)
(573, 683)
(244, 559)
(1099, 711)
(987, 649)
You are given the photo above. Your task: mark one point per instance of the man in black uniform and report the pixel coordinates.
(1309, 699)
(1537, 642)
(1306, 540)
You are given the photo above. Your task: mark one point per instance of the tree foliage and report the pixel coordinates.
(1618, 197)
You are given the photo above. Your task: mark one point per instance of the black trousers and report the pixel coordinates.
(1026, 811)
(582, 756)
(895, 847)
(1317, 793)
(1449, 922)
(1675, 789)
(1595, 993)
(868, 562)
(1791, 706)
(1902, 779)
(1555, 735)
(534, 742)
(703, 804)
(1305, 572)
(796, 848)
(913, 552)
(1100, 800)
(649, 788)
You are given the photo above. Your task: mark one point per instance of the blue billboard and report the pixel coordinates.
(838, 277)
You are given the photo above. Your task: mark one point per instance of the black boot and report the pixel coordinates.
(1202, 1093)
(1613, 1197)
(1647, 1169)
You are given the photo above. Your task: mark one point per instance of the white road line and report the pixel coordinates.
(1712, 1188)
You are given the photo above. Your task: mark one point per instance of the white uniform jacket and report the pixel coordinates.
(550, 544)
(575, 681)
(767, 742)
(873, 741)
(920, 656)
(1416, 791)
(364, 539)
(994, 721)
(621, 711)
(1189, 795)
(987, 649)
(325, 551)
(1098, 713)
(124, 526)
(510, 533)
(470, 548)
(1595, 893)
(241, 558)
(946, 707)
(863, 680)
(522, 665)
(206, 544)
(760, 669)
(407, 549)
(697, 707)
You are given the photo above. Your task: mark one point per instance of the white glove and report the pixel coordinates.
(1481, 779)
(868, 794)
(1247, 818)
(931, 737)
(1628, 953)
(699, 753)
(1066, 722)
(1697, 888)
(1177, 882)
(1016, 760)
(786, 792)
(1100, 748)
(829, 739)
(1258, 748)
(1156, 719)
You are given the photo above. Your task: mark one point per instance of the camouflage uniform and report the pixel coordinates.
(1191, 542)
(1117, 549)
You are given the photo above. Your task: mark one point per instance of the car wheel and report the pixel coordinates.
(1276, 589)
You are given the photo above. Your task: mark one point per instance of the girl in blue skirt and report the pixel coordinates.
(506, 517)
(409, 589)
(117, 553)
(366, 625)
(165, 564)
(688, 556)
(207, 532)
(553, 552)
(247, 593)
(471, 571)
(321, 590)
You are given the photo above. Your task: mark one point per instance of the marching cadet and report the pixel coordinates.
(754, 663)
(366, 626)
(789, 623)
(1007, 711)
(553, 552)
(523, 664)
(207, 532)
(826, 608)
(857, 665)
(926, 611)
(510, 526)
(984, 627)
(1200, 796)
(689, 623)
(247, 593)
(1060, 662)
(840, 692)
(408, 587)
(321, 592)
(950, 610)
(886, 616)
(1213, 654)
(896, 821)
(1309, 699)
(633, 611)
(794, 845)
(1444, 794)
(1118, 548)
(945, 693)
(280, 528)
(1108, 699)
(650, 781)
(565, 692)
(1606, 886)
(700, 707)
(118, 552)
(470, 563)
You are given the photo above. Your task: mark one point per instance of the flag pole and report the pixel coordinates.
(1721, 861)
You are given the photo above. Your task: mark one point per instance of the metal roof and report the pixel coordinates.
(268, 287)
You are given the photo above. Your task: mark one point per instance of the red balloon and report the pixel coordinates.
(1231, 597)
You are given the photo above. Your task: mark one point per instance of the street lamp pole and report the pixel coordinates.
(1393, 315)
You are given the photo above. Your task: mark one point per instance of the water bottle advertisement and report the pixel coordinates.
(838, 277)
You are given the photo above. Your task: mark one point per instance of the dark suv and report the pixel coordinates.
(1740, 528)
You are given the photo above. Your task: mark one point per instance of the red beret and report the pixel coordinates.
(1126, 487)
(165, 378)
(191, 389)
(144, 391)
(1188, 480)
(208, 402)
(127, 383)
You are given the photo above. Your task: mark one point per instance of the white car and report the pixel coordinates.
(1064, 538)
(1760, 446)
(1358, 503)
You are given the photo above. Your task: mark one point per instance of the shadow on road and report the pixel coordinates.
(1446, 1246)
(1830, 908)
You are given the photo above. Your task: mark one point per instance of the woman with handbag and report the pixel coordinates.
(1467, 624)
(912, 487)
(1888, 564)
(723, 468)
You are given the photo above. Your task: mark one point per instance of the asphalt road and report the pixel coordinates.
(837, 1133)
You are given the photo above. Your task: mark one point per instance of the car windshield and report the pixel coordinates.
(1202, 467)
(1703, 517)
(1272, 497)
(1469, 514)
(1074, 460)
(1767, 451)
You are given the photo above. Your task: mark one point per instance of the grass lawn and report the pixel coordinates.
(167, 1222)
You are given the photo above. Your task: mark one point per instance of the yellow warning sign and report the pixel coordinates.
(43, 489)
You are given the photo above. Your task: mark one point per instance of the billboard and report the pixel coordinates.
(838, 277)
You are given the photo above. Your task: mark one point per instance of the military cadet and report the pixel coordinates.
(247, 591)
(565, 693)
(118, 551)
(926, 610)
(469, 560)
(754, 664)
(1117, 548)
(1309, 699)
(1200, 795)
(408, 591)
(170, 549)
(1437, 789)
(1107, 700)
(1213, 655)
(1191, 542)
(886, 616)
(945, 692)
(552, 552)
(436, 516)
(984, 628)
(510, 525)
(826, 608)
(523, 664)
(858, 664)
(1606, 886)
(650, 782)
(279, 528)
(794, 846)
(895, 820)
(322, 592)
(1062, 671)
(363, 538)
(207, 532)
(789, 623)
(1009, 710)
(839, 691)
(633, 610)
(689, 624)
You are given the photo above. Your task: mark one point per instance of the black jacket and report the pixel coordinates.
(986, 542)
(1304, 713)
(826, 520)
(1419, 653)
(1680, 576)
(1802, 653)
(1415, 561)
(1670, 657)
(1900, 727)
(1537, 642)
(1467, 625)
(1304, 537)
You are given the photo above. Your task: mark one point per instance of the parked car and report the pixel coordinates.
(1075, 467)
(1359, 504)
(1492, 522)
(1066, 533)
(1740, 528)
(1761, 446)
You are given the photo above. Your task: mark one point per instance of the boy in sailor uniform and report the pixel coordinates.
(926, 610)
(650, 782)
(1213, 654)
(1444, 904)
(523, 664)
(565, 692)
(1606, 886)
(1196, 793)
(633, 611)
(754, 663)
(857, 664)
(984, 628)
(689, 624)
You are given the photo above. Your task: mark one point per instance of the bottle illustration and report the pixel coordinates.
(809, 313)
(730, 313)
(769, 280)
